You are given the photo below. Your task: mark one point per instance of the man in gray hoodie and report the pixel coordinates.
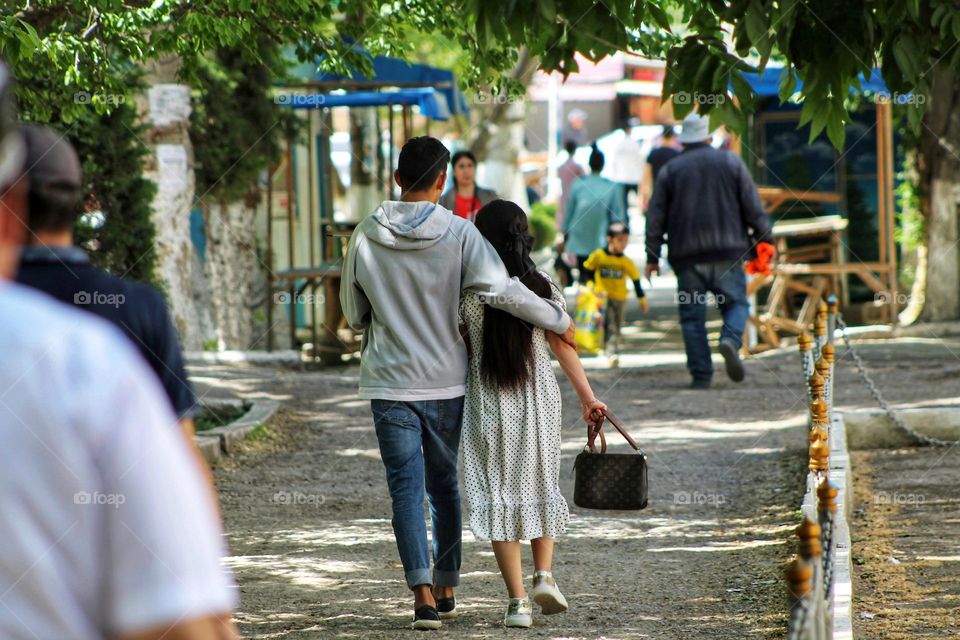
(407, 266)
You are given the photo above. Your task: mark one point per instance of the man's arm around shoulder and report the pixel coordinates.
(484, 274)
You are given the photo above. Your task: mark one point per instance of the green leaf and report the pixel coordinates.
(659, 15)
(741, 88)
(788, 84)
(904, 58)
(914, 7)
(836, 131)
(548, 9)
(756, 21)
(727, 114)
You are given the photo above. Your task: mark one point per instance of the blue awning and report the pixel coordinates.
(432, 103)
(387, 70)
(767, 83)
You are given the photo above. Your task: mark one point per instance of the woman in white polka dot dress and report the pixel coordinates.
(511, 422)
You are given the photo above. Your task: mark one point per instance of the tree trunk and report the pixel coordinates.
(178, 265)
(939, 164)
(491, 114)
(231, 269)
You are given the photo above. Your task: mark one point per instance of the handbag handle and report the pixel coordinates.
(593, 432)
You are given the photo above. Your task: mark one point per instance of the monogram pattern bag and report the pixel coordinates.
(610, 480)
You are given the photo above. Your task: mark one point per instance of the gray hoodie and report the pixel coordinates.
(406, 268)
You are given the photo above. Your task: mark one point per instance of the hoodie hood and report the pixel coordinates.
(408, 225)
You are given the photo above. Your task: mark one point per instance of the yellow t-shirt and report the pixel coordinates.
(612, 272)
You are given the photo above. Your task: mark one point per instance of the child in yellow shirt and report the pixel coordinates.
(611, 270)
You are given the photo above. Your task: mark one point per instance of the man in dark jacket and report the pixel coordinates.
(706, 204)
(53, 264)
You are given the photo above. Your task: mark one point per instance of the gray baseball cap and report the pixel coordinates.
(51, 162)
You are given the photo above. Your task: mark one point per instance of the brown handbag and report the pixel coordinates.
(610, 480)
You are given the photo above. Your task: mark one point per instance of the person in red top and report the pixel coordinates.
(466, 198)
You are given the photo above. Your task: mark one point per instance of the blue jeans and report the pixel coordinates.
(418, 444)
(727, 282)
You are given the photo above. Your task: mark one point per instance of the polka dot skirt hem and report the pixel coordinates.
(520, 522)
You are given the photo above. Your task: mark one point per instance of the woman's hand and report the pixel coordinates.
(592, 411)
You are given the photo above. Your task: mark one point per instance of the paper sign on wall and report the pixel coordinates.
(169, 104)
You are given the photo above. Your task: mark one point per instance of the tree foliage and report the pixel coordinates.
(824, 43)
(122, 238)
(235, 127)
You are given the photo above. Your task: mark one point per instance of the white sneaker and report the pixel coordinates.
(547, 594)
(519, 613)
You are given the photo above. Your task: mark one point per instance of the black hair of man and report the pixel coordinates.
(596, 159)
(570, 146)
(421, 160)
(668, 132)
(55, 178)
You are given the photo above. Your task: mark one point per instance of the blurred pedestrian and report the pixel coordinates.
(567, 172)
(53, 264)
(613, 269)
(108, 530)
(666, 150)
(466, 198)
(626, 162)
(576, 127)
(707, 206)
(594, 204)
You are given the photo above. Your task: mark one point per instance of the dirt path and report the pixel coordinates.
(906, 512)
(308, 514)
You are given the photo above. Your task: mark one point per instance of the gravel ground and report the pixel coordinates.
(308, 515)
(906, 511)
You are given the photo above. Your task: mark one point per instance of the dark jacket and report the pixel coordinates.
(136, 308)
(705, 201)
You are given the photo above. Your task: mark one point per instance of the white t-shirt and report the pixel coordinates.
(106, 525)
(626, 162)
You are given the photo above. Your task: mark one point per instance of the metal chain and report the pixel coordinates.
(875, 392)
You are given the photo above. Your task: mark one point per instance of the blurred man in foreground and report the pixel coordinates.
(107, 527)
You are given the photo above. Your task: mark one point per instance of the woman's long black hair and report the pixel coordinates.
(506, 357)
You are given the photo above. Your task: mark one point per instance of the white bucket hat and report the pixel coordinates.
(695, 128)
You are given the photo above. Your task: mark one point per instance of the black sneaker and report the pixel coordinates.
(731, 357)
(700, 384)
(447, 608)
(426, 618)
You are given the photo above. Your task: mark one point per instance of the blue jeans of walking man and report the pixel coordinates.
(728, 283)
(419, 441)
